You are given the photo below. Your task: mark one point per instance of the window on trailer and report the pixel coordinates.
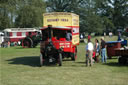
(24, 34)
(7, 34)
(14, 34)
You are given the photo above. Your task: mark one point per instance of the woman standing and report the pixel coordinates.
(97, 50)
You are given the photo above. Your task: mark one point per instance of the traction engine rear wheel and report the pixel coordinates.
(60, 59)
(41, 59)
(27, 42)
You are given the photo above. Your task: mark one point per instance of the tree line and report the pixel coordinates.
(95, 15)
(21, 13)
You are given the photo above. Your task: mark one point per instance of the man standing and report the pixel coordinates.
(89, 53)
(103, 50)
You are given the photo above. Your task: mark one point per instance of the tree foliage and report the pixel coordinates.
(5, 10)
(30, 13)
(116, 11)
(21, 13)
(62, 5)
(95, 15)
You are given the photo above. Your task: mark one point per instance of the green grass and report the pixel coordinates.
(20, 66)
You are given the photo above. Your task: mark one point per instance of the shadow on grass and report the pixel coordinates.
(113, 58)
(26, 60)
(115, 64)
(67, 60)
(33, 61)
(81, 62)
(20, 47)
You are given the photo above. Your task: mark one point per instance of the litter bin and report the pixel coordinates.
(111, 45)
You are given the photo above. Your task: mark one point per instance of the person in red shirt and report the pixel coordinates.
(89, 37)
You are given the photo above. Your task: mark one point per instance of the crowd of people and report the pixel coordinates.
(93, 51)
(7, 44)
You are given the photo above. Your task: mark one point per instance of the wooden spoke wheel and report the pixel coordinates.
(41, 59)
(60, 59)
(74, 55)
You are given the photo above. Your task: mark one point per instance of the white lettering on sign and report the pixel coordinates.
(65, 45)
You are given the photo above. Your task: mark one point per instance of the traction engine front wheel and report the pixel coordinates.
(74, 55)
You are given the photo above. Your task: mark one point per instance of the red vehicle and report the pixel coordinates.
(54, 45)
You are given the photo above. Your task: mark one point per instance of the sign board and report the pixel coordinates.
(60, 19)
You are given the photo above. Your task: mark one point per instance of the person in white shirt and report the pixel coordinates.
(81, 36)
(89, 53)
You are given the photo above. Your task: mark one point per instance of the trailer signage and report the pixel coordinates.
(60, 19)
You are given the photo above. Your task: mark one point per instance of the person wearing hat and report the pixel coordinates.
(103, 50)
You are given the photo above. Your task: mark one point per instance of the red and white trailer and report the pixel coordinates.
(16, 34)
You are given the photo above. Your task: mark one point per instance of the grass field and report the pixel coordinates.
(20, 66)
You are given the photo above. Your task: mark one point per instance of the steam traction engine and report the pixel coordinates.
(54, 45)
(31, 41)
